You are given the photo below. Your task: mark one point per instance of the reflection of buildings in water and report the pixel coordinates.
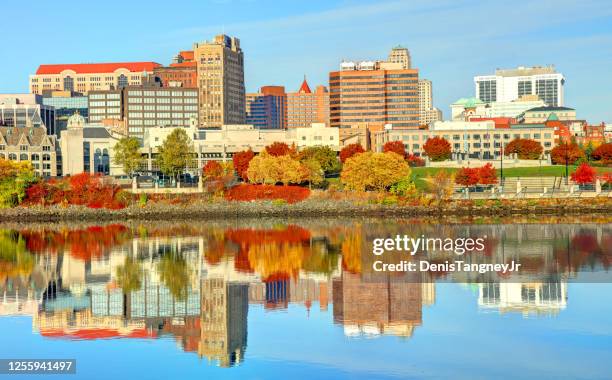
(82, 324)
(223, 321)
(538, 298)
(278, 294)
(379, 308)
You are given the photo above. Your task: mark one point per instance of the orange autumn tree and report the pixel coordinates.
(241, 162)
(603, 153)
(437, 149)
(487, 175)
(278, 149)
(525, 149)
(467, 177)
(212, 170)
(396, 147)
(569, 153)
(349, 151)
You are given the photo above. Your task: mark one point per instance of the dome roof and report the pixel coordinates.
(76, 121)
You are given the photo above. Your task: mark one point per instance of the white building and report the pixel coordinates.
(510, 84)
(88, 148)
(527, 298)
(478, 140)
(467, 108)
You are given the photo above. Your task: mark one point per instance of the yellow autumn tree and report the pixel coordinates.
(268, 169)
(373, 171)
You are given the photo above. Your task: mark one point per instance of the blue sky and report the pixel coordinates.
(450, 40)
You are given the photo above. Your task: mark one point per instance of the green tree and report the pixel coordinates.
(127, 155)
(175, 153)
(588, 150)
(373, 171)
(314, 172)
(15, 178)
(324, 155)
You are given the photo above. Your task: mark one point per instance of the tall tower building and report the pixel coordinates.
(374, 94)
(220, 76)
(400, 55)
(427, 112)
(305, 107)
(511, 84)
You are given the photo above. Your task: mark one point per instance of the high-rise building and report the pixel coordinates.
(267, 109)
(511, 84)
(85, 77)
(400, 55)
(26, 110)
(427, 112)
(375, 94)
(141, 107)
(220, 76)
(182, 72)
(305, 107)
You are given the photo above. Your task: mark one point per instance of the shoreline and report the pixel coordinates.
(308, 209)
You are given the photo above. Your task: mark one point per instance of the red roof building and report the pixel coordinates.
(500, 122)
(85, 77)
(95, 68)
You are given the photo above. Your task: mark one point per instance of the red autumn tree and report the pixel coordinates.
(241, 162)
(467, 177)
(212, 170)
(395, 147)
(603, 153)
(414, 161)
(437, 149)
(584, 174)
(277, 149)
(349, 151)
(566, 152)
(526, 149)
(487, 175)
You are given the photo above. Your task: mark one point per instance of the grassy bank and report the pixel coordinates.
(537, 171)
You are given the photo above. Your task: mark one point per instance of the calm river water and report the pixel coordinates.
(297, 299)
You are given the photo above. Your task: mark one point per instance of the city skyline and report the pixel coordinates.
(311, 44)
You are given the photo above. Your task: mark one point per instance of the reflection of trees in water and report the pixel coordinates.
(174, 273)
(15, 259)
(85, 244)
(129, 275)
(283, 250)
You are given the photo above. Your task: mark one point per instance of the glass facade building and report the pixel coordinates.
(66, 107)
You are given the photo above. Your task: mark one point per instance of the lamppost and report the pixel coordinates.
(501, 163)
(566, 164)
